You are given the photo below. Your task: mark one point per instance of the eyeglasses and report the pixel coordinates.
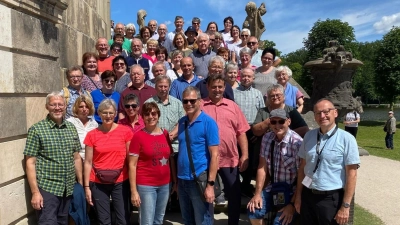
(251, 43)
(325, 111)
(195, 23)
(119, 64)
(275, 96)
(75, 77)
(127, 106)
(153, 114)
(274, 122)
(186, 101)
(244, 35)
(107, 113)
(212, 39)
(56, 105)
(109, 81)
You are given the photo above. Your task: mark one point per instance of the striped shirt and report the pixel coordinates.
(54, 147)
(250, 100)
(171, 112)
(286, 159)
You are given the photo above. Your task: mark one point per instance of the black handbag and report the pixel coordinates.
(280, 191)
(202, 179)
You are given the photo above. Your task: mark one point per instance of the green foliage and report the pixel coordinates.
(268, 44)
(295, 61)
(387, 66)
(324, 31)
(364, 78)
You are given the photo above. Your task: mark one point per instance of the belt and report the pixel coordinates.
(317, 192)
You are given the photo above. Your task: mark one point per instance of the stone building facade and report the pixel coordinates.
(39, 39)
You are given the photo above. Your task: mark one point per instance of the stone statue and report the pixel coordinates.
(141, 15)
(336, 52)
(253, 20)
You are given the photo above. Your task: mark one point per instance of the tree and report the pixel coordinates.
(324, 31)
(295, 61)
(268, 44)
(318, 38)
(387, 66)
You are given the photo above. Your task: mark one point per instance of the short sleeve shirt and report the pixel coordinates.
(143, 94)
(109, 150)
(338, 151)
(54, 147)
(232, 124)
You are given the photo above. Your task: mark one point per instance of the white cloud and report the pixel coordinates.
(387, 22)
(168, 22)
(359, 18)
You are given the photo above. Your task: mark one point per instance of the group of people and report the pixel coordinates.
(136, 125)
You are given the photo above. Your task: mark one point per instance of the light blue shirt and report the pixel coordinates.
(338, 151)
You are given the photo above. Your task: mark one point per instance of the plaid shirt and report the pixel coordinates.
(285, 156)
(170, 115)
(54, 147)
(250, 100)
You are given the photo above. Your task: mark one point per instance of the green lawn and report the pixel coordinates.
(363, 217)
(371, 137)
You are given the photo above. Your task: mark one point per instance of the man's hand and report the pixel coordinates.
(297, 203)
(342, 216)
(243, 163)
(37, 201)
(255, 203)
(287, 214)
(209, 194)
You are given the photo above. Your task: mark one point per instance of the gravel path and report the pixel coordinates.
(378, 188)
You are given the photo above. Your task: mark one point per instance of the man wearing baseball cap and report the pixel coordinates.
(191, 35)
(390, 129)
(278, 166)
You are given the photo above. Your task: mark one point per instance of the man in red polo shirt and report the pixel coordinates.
(105, 61)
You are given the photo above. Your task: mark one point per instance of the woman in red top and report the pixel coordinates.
(106, 151)
(150, 162)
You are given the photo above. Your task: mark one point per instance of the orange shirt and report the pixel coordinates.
(104, 64)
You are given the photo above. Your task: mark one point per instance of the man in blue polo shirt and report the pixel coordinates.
(328, 170)
(204, 141)
(188, 78)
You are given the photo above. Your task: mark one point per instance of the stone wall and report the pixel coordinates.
(38, 40)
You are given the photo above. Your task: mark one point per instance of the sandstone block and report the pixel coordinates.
(12, 117)
(35, 110)
(6, 71)
(5, 26)
(12, 160)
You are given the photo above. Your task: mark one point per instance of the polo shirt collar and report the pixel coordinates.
(243, 88)
(158, 100)
(285, 139)
(329, 133)
(207, 101)
(208, 52)
(198, 119)
(53, 124)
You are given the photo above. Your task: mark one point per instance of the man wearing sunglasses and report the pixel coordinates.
(328, 170)
(279, 147)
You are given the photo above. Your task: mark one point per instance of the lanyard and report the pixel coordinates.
(319, 151)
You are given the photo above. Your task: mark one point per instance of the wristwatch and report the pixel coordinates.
(211, 182)
(346, 205)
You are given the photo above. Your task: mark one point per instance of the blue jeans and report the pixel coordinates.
(266, 208)
(154, 201)
(389, 140)
(194, 210)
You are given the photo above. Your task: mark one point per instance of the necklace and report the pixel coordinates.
(156, 131)
(105, 94)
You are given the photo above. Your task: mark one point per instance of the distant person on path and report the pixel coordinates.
(390, 129)
(351, 121)
(328, 170)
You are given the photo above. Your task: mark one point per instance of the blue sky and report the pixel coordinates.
(287, 21)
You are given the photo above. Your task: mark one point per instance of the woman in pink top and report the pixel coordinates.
(91, 80)
(151, 50)
(150, 162)
(106, 153)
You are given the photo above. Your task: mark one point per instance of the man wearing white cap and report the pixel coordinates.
(390, 129)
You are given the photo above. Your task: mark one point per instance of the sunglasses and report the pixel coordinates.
(192, 101)
(244, 35)
(127, 106)
(251, 43)
(117, 49)
(153, 114)
(274, 122)
(119, 64)
(109, 81)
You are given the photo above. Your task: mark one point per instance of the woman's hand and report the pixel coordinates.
(135, 199)
(88, 194)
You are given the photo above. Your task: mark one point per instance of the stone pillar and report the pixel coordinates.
(38, 40)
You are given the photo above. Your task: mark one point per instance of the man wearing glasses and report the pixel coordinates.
(105, 60)
(74, 88)
(203, 140)
(196, 24)
(153, 28)
(279, 150)
(328, 170)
